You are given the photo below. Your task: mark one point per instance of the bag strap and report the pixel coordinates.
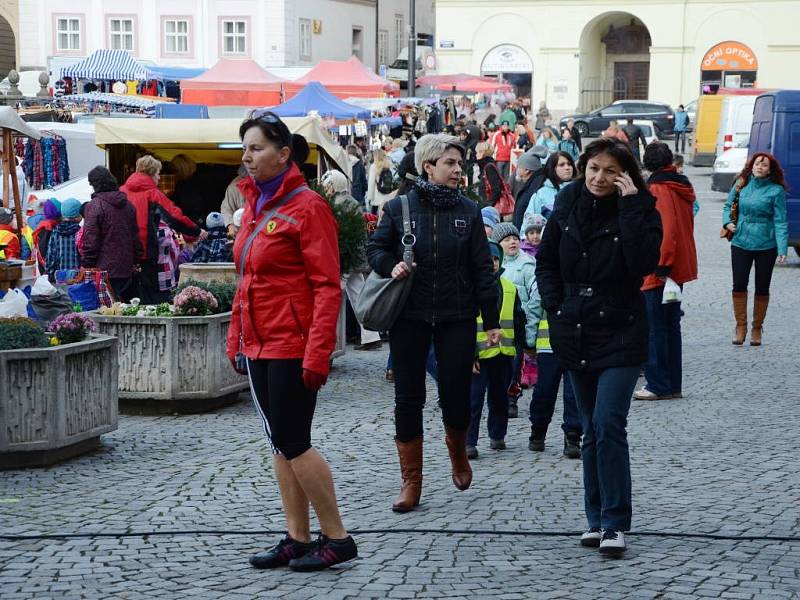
(409, 239)
(263, 222)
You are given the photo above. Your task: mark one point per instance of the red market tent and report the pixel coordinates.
(233, 82)
(476, 86)
(436, 80)
(344, 79)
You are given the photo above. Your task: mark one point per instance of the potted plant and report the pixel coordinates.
(58, 393)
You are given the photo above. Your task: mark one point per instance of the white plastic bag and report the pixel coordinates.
(672, 292)
(14, 304)
(43, 287)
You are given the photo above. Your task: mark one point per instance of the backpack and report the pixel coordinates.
(386, 181)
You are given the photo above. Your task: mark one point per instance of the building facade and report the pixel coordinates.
(9, 30)
(196, 33)
(585, 53)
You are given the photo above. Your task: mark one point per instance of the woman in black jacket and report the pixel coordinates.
(603, 237)
(453, 280)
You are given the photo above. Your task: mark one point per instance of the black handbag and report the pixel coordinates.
(382, 299)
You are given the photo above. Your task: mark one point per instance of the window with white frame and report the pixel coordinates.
(383, 42)
(121, 32)
(234, 37)
(305, 39)
(399, 33)
(68, 34)
(176, 36)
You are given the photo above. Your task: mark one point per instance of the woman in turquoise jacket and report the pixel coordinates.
(760, 236)
(558, 172)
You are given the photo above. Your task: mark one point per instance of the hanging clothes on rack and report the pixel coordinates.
(44, 161)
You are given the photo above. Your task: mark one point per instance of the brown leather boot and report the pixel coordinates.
(457, 448)
(410, 454)
(740, 313)
(759, 312)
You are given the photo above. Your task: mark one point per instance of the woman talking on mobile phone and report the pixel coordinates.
(603, 238)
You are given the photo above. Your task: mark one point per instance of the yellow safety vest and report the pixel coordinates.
(506, 346)
(5, 237)
(543, 335)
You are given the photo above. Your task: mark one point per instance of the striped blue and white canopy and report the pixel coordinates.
(107, 64)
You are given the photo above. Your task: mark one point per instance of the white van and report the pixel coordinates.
(735, 120)
(426, 65)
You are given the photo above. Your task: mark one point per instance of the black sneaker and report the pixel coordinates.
(472, 452)
(536, 441)
(497, 444)
(513, 409)
(572, 445)
(279, 556)
(612, 543)
(591, 538)
(327, 553)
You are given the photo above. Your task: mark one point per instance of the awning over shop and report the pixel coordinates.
(233, 82)
(206, 140)
(107, 64)
(343, 79)
(477, 86)
(314, 97)
(173, 73)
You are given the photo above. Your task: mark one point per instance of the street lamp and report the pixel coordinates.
(412, 49)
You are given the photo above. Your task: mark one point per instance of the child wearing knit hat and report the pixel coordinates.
(490, 219)
(62, 248)
(532, 228)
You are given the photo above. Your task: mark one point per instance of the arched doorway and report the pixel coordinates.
(8, 48)
(512, 64)
(614, 60)
(728, 64)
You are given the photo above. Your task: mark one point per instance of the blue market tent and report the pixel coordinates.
(107, 64)
(315, 98)
(173, 73)
(167, 110)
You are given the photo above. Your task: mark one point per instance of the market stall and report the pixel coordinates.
(104, 67)
(233, 82)
(314, 98)
(343, 79)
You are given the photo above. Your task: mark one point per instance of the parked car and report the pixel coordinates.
(425, 65)
(776, 121)
(727, 166)
(594, 123)
(648, 130)
(735, 121)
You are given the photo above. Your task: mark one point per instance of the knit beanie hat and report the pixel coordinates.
(214, 219)
(496, 251)
(503, 230)
(71, 208)
(490, 216)
(6, 216)
(237, 217)
(533, 222)
(52, 209)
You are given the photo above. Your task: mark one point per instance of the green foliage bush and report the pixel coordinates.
(21, 332)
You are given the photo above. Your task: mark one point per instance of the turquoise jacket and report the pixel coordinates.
(521, 270)
(552, 146)
(762, 216)
(544, 198)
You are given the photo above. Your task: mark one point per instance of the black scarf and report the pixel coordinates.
(441, 196)
(669, 173)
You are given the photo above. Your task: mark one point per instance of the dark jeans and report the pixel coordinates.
(495, 375)
(430, 363)
(604, 398)
(543, 399)
(663, 370)
(148, 284)
(680, 136)
(454, 346)
(504, 169)
(742, 261)
(124, 288)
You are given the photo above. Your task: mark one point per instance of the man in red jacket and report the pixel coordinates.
(678, 262)
(504, 141)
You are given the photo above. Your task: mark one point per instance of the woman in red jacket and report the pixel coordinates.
(283, 331)
(678, 260)
(153, 206)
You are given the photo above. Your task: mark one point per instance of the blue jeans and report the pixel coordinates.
(430, 364)
(663, 370)
(543, 399)
(604, 398)
(495, 375)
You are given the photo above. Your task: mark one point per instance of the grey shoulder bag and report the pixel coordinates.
(382, 299)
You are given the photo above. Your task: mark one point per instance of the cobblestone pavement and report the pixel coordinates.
(722, 461)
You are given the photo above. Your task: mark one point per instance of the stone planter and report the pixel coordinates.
(55, 402)
(173, 364)
(209, 272)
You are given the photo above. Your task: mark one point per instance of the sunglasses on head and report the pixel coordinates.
(270, 118)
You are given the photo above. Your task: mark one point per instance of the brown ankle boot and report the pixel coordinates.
(759, 312)
(410, 454)
(740, 313)
(457, 448)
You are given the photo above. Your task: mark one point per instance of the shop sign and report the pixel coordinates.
(447, 44)
(730, 56)
(507, 58)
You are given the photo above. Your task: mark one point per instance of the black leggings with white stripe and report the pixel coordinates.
(285, 405)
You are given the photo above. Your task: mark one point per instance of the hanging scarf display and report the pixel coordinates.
(44, 161)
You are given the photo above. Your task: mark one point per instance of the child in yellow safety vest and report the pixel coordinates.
(493, 367)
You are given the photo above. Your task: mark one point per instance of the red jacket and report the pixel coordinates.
(504, 144)
(9, 238)
(674, 199)
(287, 302)
(142, 191)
